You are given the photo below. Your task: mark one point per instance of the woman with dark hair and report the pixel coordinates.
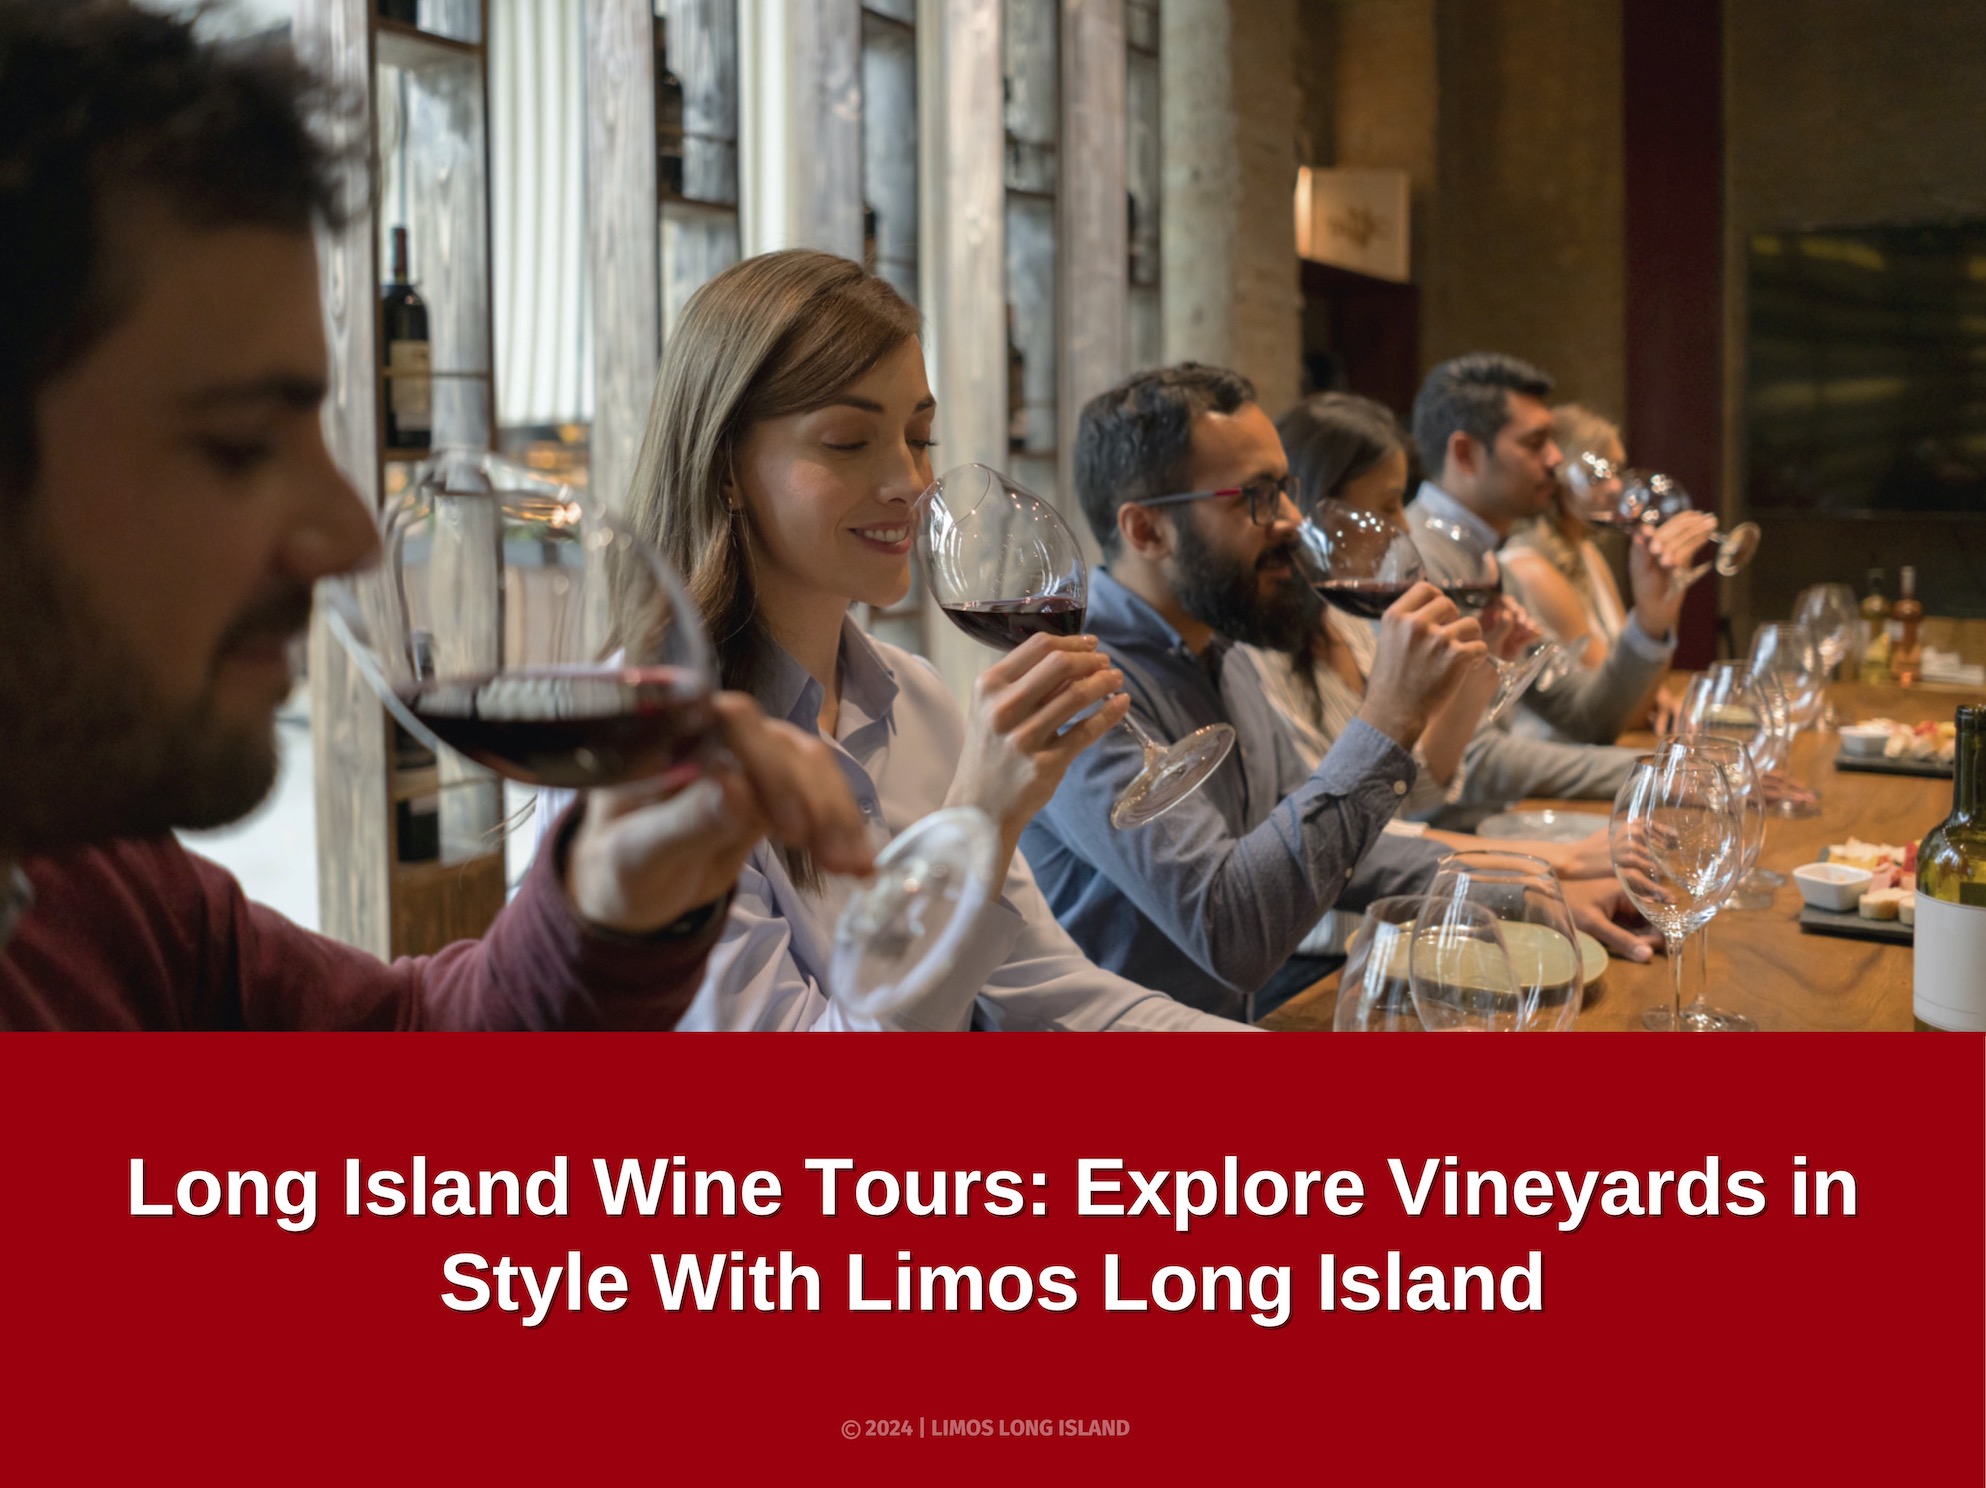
(787, 446)
(1349, 449)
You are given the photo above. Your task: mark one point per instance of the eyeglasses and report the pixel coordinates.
(1264, 497)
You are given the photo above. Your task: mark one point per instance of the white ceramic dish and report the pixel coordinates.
(1834, 886)
(1863, 739)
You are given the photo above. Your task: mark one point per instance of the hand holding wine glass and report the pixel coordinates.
(1004, 566)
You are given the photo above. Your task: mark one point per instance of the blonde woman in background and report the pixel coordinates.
(1565, 580)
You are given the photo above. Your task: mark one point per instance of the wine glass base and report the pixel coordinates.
(1754, 898)
(1698, 1017)
(1171, 775)
(1514, 679)
(1795, 809)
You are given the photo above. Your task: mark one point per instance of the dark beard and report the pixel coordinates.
(1225, 594)
(90, 753)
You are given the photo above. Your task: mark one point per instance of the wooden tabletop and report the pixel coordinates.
(1761, 963)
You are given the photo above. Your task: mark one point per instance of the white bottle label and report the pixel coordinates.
(412, 387)
(1949, 975)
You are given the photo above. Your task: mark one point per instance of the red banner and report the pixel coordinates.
(1723, 1260)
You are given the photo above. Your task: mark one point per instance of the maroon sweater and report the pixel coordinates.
(143, 934)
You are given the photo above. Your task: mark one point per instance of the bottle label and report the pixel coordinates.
(1949, 974)
(411, 387)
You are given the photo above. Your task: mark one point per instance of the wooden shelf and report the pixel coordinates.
(413, 50)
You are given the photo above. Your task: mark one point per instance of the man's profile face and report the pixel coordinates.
(1228, 571)
(182, 507)
(1517, 475)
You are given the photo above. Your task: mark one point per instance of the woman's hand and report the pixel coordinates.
(1655, 564)
(1015, 751)
(1589, 857)
(1508, 629)
(1602, 909)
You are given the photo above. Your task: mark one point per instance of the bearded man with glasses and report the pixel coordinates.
(1187, 490)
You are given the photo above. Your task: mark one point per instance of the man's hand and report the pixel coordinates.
(1015, 751)
(646, 855)
(1599, 907)
(1426, 647)
(1656, 562)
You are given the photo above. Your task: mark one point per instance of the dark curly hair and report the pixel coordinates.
(103, 104)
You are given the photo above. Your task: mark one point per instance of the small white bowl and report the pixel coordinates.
(1862, 739)
(1834, 886)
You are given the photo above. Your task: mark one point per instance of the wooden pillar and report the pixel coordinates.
(621, 238)
(962, 242)
(1094, 229)
(1230, 275)
(800, 98)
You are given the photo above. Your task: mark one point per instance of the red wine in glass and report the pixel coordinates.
(1005, 623)
(1472, 598)
(1366, 598)
(573, 728)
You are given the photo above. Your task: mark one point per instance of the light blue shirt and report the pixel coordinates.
(898, 736)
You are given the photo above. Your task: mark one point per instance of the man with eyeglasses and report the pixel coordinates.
(1187, 490)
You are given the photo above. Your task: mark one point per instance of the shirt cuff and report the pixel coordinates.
(1642, 644)
(1365, 760)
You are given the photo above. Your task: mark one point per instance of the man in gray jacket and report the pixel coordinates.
(1484, 435)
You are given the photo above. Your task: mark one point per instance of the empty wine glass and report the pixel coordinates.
(1479, 586)
(1729, 697)
(523, 627)
(1003, 566)
(1728, 754)
(1534, 927)
(1631, 500)
(1461, 973)
(1675, 842)
(1789, 652)
(1375, 990)
(1829, 611)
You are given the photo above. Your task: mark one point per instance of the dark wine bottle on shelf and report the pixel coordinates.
(870, 252)
(1016, 389)
(407, 11)
(409, 411)
(668, 116)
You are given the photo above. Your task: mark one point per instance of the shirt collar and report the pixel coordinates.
(1129, 617)
(867, 683)
(1431, 498)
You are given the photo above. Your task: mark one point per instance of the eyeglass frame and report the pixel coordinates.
(1287, 486)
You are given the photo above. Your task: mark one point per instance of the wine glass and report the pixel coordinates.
(1356, 560)
(1728, 754)
(900, 934)
(1676, 846)
(1479, 586)
(1460, 972)
(525, 628)
(1829, 611)
(1728, 698)
(1375, 991)
(1789, 651)
(1631, 500)
(1003, 566)
(1534, 927)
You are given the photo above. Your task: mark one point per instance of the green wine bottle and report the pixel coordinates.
(1949, 977)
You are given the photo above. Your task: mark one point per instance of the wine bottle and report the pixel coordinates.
(668, 116)
(1016, 389)
(1906, 653)
(408, 11)
(409, 367)
(1950, 960)
(1875, 627)
(870, 252)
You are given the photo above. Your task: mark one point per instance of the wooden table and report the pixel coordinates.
(1761, 963)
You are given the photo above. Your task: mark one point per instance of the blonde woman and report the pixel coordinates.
(787, 444)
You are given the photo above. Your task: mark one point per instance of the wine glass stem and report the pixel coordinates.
(1703, 966)
(1150, 745)
(1675, 941)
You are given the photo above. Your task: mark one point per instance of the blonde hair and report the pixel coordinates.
(1577, 430)
(773, 336)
